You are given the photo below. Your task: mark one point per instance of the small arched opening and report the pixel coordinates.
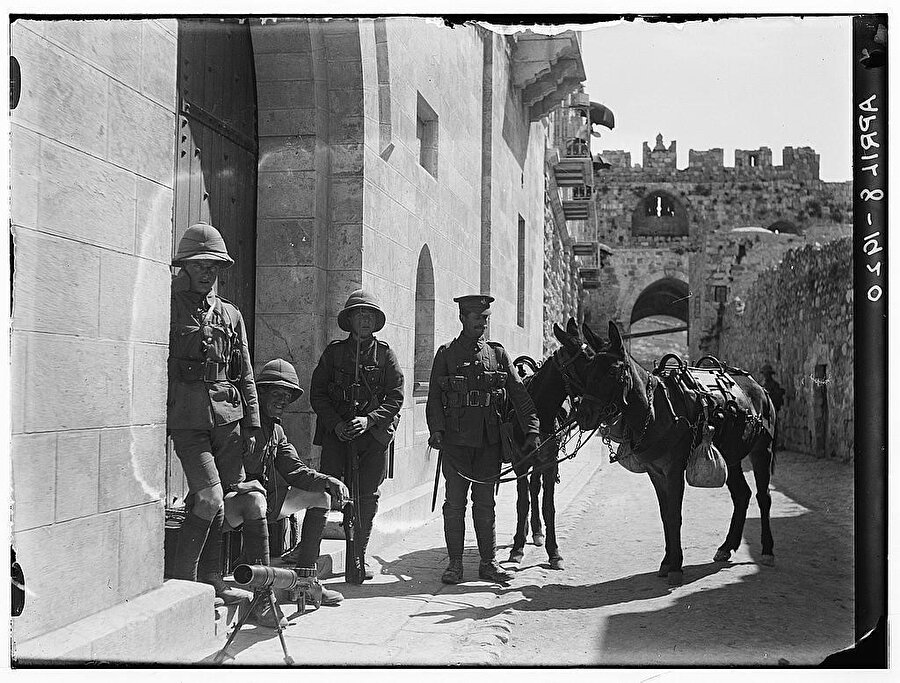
(659, 214)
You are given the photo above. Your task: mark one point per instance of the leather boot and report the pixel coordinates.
(455, 536)
(191, 538)
(209, 568)
(316, 593)
(306, 552)
(256, 541)
(367, 511)
(492, 571)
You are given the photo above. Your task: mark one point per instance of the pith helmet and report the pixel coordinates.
(280, 373)
(360, 299)
(202, 241)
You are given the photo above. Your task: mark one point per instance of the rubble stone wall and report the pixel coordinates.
(799, 319)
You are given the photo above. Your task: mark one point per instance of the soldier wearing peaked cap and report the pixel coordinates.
(471, 379)
(378, 394)
(212, 409)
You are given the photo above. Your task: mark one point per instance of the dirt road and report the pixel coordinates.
(609, 607)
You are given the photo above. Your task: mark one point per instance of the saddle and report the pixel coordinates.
(719, 389)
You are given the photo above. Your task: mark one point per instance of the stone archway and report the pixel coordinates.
(667, 296)
(784, 227)
(660, 304)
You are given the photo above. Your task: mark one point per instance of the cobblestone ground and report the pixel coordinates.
(607, 608)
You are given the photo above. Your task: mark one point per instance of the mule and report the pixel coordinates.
(662, 419)
(562, 376)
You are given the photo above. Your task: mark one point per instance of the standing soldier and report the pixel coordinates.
(212, 414)
(372, 422)
(469, 382)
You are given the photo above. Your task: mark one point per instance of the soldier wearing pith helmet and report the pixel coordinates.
(471, 379)
(212, 408)
(379, 396)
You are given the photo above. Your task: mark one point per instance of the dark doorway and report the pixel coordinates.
(820, 410)
(216, 162)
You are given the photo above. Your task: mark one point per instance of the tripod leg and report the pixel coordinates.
(277, 612)
(220, 656)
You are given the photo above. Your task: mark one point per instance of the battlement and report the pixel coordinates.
(707, 160)
(617, 158)
(752, 158)
(802, 160)
(659, 158)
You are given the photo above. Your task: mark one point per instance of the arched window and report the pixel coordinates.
(424, 332)
(659, 214)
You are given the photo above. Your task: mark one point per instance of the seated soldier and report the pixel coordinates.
(279, 484)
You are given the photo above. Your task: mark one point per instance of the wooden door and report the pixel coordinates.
(216, 161)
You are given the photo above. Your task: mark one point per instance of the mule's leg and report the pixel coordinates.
(535, 488)
(549, 511)
(659, 486)
(674, 481)
(761, 458)
(740, 499)
(518, 550)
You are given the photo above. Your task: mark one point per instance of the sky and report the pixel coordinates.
(737, 83)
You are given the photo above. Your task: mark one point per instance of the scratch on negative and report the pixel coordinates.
(278, 334)
(820, 381)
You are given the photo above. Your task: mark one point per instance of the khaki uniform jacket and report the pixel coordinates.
(380, 394)
(276, 465)
(473, 425)
(192, 402)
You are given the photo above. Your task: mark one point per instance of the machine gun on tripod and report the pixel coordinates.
(264, 581)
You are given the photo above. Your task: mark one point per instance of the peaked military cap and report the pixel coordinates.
(477, 303)
(361, 299)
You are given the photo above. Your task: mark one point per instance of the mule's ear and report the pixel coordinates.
(592, 339)
(572, 328)
(563, 337)
(615, 338)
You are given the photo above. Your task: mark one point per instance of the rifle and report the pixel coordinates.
(354, 560)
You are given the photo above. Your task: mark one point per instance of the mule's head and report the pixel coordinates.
(577, 363)
(612, 376)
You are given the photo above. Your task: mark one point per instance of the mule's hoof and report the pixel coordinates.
(538, 539)
(676, 578)
(768, 560)
(556, 563)
(516, 555)
(722, 556)
(663, 570)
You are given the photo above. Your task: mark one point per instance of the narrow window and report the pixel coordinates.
(427, 134)
(424, 332)
(520, 285)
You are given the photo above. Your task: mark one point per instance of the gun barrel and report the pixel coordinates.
(261, 576)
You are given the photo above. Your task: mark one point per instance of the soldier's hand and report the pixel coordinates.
(532, 441)
(340, 430)
(357, 426)
(339, 492)
(436, 440)
(248, 486)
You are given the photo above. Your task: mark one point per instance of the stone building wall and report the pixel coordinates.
(562, 285)
(799, 319)
(92, 168)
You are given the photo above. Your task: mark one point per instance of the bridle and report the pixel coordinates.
(575, 389)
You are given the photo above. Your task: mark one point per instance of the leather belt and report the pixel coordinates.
(201, 370)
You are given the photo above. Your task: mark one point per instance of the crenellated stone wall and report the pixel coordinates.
(798, 318)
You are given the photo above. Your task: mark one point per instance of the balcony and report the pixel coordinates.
(546, 68)
(584, 249)
(590, 284)
(589, 273)
(577, 209)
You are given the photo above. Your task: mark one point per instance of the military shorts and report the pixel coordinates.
(210, 456)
